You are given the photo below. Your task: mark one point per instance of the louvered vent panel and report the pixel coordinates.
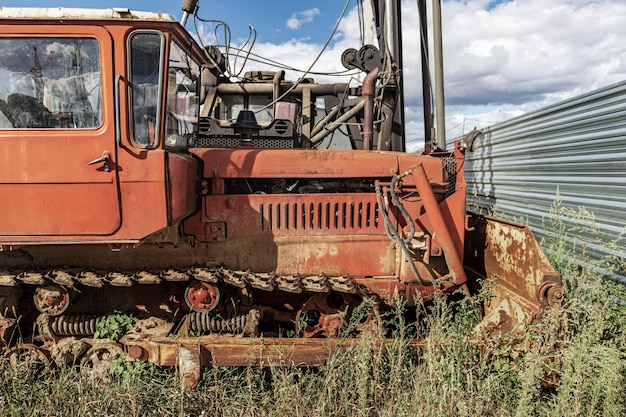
(301, 216)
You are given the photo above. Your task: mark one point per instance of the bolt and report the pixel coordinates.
(135, 351)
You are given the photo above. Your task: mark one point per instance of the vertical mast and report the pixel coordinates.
(439, 95)
(389, 15)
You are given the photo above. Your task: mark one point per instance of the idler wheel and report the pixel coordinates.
(202, 296)
(51, 300)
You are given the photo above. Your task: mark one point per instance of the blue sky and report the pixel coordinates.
(502, 58)
(270, 18)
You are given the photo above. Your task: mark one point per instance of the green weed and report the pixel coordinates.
(114, 326)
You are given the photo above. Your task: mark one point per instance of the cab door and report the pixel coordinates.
(58, 172)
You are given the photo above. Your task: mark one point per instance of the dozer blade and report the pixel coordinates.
(521, 281)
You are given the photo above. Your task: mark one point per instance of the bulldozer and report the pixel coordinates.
(207, 219)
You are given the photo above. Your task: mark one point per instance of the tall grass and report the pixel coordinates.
(573, 364)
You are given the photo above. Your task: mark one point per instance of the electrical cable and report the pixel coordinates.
(332, 34)
(360, 12)
(267, 61)
(227, 36)
(252, 31)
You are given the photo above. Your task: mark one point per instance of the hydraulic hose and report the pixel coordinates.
(392, 233)
(403, 210)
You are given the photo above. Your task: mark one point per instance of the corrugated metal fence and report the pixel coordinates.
(573, 151)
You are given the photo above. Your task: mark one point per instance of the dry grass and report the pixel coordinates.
(449, 377)
(583, 343)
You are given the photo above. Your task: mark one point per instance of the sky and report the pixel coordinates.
(502, 58)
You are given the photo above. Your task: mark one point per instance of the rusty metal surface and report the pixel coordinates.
(190, 354)
(181, 182)
(318, 163)
(53, 13)
(442, 228)
(295, 214)
(240, 351)
(508, 255)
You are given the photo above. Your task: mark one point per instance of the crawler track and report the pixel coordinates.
(61, 338)
(241, 279)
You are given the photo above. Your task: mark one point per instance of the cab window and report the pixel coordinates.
(50, 83)
(146, 51)
(182, 98)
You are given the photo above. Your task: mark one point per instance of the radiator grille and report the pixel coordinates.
(319, 216)
(237, 142)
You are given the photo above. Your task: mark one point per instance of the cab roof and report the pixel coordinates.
(55, 13)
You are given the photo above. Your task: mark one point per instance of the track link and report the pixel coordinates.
(242, 279)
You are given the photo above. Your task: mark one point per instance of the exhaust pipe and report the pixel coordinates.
(189, 7)
(369, 89)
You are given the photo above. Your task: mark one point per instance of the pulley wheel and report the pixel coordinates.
(350, 58)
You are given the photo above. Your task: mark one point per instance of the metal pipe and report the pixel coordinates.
(398, 137)
(369, 18)
(441, 232)
(439, 95)
(278, 77)
(386, 133)
(369, 90)
(189, 7)
(337, 123)
(267, 88)
(320, 125)
(183, 20)
(391, 32)
(426, 81)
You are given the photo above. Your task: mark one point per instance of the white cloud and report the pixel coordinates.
(513, 58)
(532, 50)
(298, 18)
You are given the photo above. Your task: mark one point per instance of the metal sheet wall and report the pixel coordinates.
(574, 151)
